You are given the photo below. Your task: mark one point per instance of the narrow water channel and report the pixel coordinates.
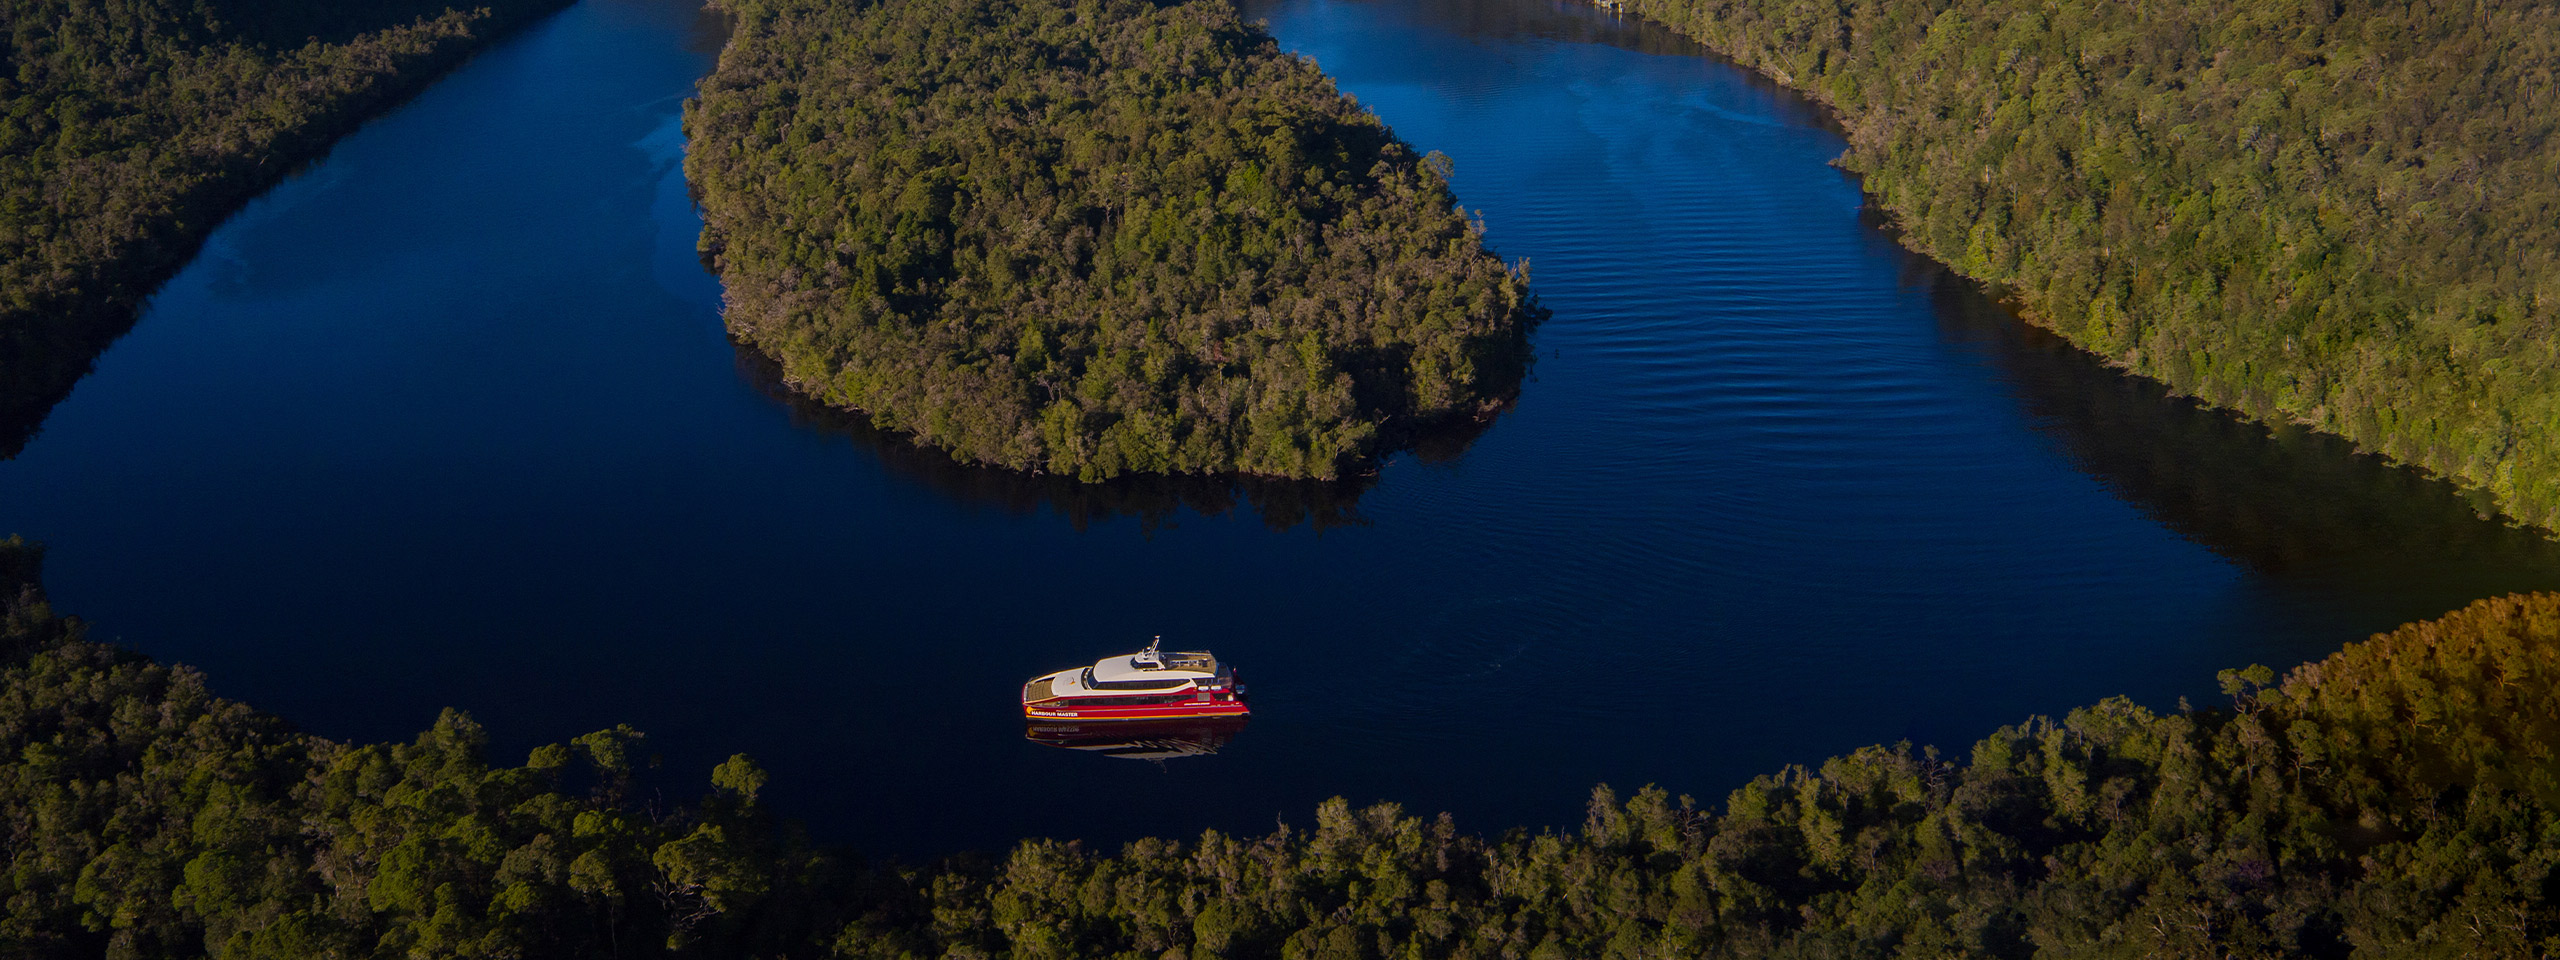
(449, 420)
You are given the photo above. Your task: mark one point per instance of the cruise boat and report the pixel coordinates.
(1150, 684)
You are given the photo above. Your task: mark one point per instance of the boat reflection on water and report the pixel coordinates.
(1139, 739)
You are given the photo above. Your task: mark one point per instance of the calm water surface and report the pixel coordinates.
(449, 421)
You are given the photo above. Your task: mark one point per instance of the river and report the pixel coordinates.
(449, 420)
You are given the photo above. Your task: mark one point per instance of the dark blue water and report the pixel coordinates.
(449, 420)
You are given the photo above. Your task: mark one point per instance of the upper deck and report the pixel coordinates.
(1139, 667)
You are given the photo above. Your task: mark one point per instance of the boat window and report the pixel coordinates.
(1135, 684)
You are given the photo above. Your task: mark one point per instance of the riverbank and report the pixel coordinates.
(136, 130)
(2319, 224)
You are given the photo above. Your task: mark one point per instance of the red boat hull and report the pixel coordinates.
(1150, 711)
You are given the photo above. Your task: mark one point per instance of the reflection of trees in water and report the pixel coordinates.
(1153, 500)
(2278, 500)
(1562, 21)
(1571, 22)
(40, 363)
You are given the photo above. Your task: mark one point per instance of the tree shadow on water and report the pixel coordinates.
(40, 363)
(2286, 502)
(1155, 501)
(1555, 21)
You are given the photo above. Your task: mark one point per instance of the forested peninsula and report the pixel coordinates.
(129, 130)
(1091, 239)
(2343, 214)
(2398, 799)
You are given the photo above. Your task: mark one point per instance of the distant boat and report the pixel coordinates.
(1148, 685)
(1138, 739)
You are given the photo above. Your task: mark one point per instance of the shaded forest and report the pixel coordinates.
(145, 817)
(2398, 799)
(2343, 214)
(1091, 239)
(129, 130)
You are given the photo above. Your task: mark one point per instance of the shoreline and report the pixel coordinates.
(1894, 223)
(50, 346)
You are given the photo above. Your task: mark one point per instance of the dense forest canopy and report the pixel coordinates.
(2399, 799)
(2346, 214)
(128, 130)
(1090, 238)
